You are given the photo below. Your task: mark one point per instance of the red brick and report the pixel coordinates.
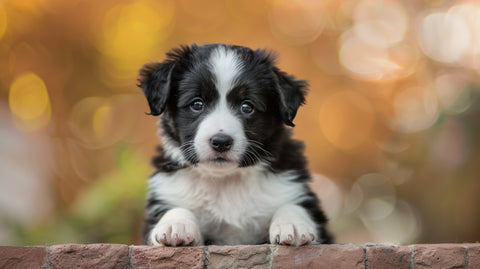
(439, 256)
(88, 256)
(168, 257)
(319, 256)
(386, 257)
(239, 256)
(22, 257)
(473, 255)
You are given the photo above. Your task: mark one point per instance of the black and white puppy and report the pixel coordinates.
(228, 171)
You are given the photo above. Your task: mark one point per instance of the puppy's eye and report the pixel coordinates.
(197, 105)
(246, 107)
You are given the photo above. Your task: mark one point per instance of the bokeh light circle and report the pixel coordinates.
(377, 196)
(99, 122)
(297, 21)
(131, 34)
(470, 13)
(453, 93)
(415, 109)
(444, 37)
(380, 23)
(28, 96)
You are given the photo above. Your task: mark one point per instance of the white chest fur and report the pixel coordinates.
(230, 209)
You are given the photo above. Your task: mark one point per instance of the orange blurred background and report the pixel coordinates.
(391, 122)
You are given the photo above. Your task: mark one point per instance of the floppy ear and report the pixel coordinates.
(156, 79)
(291, 95)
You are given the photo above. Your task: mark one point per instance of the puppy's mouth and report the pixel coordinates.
(217, 158)
(218, 166)
(220, 160)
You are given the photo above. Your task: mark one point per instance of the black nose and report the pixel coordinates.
(221, 142)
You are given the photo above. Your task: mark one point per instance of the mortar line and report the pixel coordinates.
(365, 256)
(131, 262)
(47, 258)
(271, 256)
(467, 262)
(206, 256)
(412, 256)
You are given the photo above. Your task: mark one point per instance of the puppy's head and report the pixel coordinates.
(223, 106)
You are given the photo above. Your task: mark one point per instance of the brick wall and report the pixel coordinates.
(262, 256)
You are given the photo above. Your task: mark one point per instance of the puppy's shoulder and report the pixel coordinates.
(291, 158)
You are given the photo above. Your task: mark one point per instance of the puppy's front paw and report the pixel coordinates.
(291, 225)
(176, 233)
(292, 234)
(178, 227)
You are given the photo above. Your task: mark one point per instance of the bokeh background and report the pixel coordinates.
(391, 122)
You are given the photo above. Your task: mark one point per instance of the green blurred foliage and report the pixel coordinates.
(107, 211)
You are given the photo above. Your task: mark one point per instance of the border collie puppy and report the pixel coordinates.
(228, 171)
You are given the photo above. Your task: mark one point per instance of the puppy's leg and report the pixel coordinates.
(291, 225)
(178, 227)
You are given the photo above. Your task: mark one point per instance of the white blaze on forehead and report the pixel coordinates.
(225, 66)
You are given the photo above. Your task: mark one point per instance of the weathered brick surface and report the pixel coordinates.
(473, 256)
(368, 256)
(239, 257)
(168, 257)
(22, 257)
(439, 256)
(388, 257)
(323, 256)
(88, 256)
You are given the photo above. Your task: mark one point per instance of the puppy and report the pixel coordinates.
(228, 171)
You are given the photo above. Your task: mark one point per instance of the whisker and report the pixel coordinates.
(189, 151)
(260, 146)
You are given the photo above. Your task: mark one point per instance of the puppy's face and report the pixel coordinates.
(223, 106)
